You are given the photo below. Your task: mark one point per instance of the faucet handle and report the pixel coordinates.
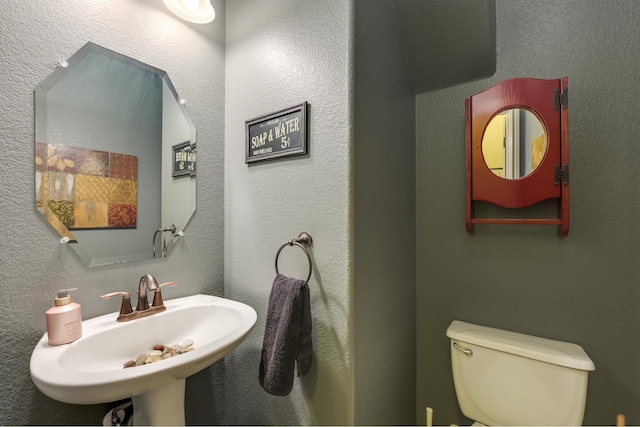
(168, 284)
(157, 295)
(125, 308)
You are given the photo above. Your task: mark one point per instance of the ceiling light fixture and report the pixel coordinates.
(198, 11)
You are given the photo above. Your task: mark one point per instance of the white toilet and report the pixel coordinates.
(505, 378)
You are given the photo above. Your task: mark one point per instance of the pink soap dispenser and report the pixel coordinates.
(64, 319)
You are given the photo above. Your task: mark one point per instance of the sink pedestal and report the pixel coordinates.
(163, 406)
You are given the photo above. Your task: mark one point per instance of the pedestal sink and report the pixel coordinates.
(90, 370)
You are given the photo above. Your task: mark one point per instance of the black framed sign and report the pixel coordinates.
(184, 159)
(277, 135)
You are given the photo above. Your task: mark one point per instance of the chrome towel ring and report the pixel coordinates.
(303, 241)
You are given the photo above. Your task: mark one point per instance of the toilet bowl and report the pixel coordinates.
(508, 378)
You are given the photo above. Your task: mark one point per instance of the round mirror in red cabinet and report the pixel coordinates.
(518, 150)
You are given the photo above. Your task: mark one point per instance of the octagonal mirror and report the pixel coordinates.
(114, 157)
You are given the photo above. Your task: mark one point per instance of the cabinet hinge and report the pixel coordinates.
(561, 175)
(561, 98)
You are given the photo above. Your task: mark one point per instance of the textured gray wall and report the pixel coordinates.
(384, 222)
(582, 288)
(354, 192)
(34, 36)
(279, 54)
(447, 42)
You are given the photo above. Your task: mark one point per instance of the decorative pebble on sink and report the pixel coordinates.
(161, 352)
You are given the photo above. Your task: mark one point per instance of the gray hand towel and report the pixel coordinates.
(287, 335)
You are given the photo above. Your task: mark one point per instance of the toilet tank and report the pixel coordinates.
(507, 378)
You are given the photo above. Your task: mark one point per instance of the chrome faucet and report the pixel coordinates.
(146, 282)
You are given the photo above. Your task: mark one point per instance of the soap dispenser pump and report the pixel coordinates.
(64, 319)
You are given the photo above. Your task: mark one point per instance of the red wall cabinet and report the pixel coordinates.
(518, 150)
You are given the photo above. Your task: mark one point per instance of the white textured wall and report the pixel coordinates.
(279, 54)
(34, 36)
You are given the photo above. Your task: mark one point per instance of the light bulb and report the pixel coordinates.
(191, 4)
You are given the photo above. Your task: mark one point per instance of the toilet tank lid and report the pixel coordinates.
(542, 349)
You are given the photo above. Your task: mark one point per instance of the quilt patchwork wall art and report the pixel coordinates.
(86, 189)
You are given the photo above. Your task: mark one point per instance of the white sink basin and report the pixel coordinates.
(90, 370)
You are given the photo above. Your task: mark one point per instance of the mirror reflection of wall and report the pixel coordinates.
(177, 192)
(105, 106)
(514, 143)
